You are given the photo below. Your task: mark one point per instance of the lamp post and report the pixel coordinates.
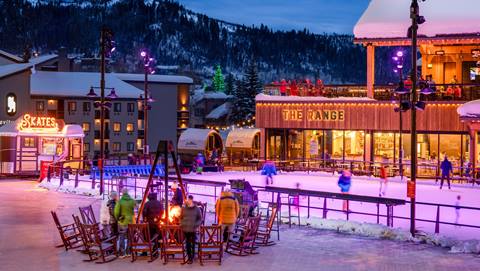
(148, 69)
(400, 91)
(107, 46)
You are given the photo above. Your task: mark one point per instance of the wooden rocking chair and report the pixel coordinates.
(173, 240)
(88, 216)
(210, 244)
(69, 233)
(242, 242)
(95, 247)
(140, 241)
(264, 231)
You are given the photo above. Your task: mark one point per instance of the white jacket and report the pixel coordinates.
(104, 213)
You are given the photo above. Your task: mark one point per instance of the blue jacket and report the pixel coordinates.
(344, 183)
(446, 167)
(269, 169)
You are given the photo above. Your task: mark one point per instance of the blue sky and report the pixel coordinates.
(318, 16)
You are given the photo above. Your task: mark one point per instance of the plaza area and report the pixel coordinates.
(28, 238)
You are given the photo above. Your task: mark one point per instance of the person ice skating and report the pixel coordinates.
(457, 209)
(345, 182)
(200, 163)
(190, 220)
(383, 181)
(152, 213)
(124, 215)
(269, 170)
(107, 213)
(228, 210)
(177, 198)
(447, 169)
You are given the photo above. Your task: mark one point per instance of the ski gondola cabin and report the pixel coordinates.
(243, 144)
(29, 140)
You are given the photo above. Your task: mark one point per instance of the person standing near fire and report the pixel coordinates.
(190, 220)
(177, 198)
(228, 210)
(152, 213)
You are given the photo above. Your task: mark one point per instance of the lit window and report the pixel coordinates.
(29, 142)
(72, 106)
(130, 127)
(117, 146)
(86, 126)
(117, 127)
(139, 144)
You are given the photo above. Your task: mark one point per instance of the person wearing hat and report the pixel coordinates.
(228, 210)
(152, 213)
(107, 216)
(345, 182)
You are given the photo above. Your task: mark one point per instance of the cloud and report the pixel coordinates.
(318, 16)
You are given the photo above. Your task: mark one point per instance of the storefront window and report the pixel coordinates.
(296, 143)
(52, 146)
(314, 144)
(450, 146)
(334, 143)
(354, 145)
(383, 147)
(29, 142)
(275, 145)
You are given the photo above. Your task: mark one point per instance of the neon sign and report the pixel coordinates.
(11, 105)
(33, 123)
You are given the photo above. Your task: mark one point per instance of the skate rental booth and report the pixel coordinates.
(30, 140)
(299, 129)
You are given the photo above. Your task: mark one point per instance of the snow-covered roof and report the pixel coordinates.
(391, 19)
(11, 57)
(275, 98)
(156, 78)
(200, 94)
(42, 58)
(194, 139)
(77, 84)
(9, 69)
(241, 138)
(219, 111)
(470, 109)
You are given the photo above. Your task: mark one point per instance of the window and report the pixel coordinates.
(87, 106)
(130, 146)
(72, 106)
(130, 107)
(40, 105)
(86, 126)
(117, 146)
(130, 127)
(29, 142)
(117, 127)
(117, 107)
(86, 147)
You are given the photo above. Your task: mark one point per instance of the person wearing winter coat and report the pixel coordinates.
(228, 210)
(199, 162)
(190, 220)
(107, 213)
(446, 168)
(383, 181)
(177, 198)
(124, 214)
(152, 213)
(269, 170)
(345, 182)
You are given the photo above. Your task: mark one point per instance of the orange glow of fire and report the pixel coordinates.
(173, 214)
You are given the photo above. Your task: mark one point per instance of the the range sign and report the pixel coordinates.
(11, 104)
(36, 123)
(313, 115)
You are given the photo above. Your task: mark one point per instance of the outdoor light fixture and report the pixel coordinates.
(91, 93)
(401, 89)
(399, 54)
(440, 52)
(112, 94)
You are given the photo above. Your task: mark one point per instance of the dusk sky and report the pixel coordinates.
(318, 16)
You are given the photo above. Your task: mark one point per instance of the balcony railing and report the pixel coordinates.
(443, 92)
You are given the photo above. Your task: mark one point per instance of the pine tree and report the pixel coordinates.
(230, 84)
(239, 109)
(218, 81)
(253, 86)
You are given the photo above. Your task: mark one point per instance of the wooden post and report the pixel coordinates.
(324, 208)
(437, 220)
(370, 70)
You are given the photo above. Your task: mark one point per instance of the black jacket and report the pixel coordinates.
(152, 211)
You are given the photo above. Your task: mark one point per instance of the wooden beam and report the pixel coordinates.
(370, 70)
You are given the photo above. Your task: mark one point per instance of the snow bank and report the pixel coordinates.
(383, 232)
(66, 188)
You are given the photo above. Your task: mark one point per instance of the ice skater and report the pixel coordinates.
(269, 170)
(345, 182)
(457, 209)
(447, 169)
(383, 181)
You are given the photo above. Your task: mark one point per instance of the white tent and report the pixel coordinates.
(391, 18)
(241, 138)
(195, 140)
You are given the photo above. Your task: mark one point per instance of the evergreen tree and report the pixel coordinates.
(239, 112)
(229, 84)
(218, 83)
(253, 86)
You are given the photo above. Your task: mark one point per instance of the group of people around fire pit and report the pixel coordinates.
(117, 212)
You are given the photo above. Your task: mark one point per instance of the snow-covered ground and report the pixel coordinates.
(427, 191)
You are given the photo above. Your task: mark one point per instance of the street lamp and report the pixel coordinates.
(107, 47)
(400, 92)
(148, 67)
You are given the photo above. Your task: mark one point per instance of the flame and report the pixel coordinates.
(173, 214)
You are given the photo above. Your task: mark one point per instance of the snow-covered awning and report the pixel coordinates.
(387, 19)
(470, 110)
(241, 138)
(194, 139)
